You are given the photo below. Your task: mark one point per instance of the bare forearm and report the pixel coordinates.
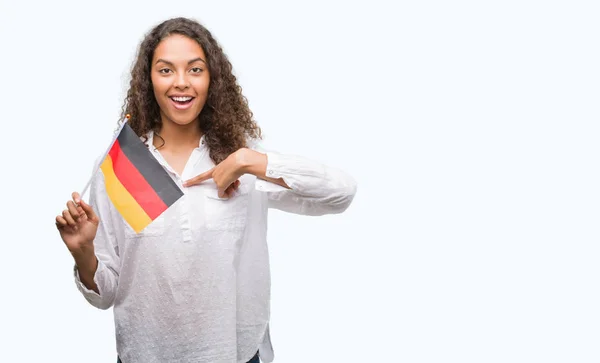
(87, 263)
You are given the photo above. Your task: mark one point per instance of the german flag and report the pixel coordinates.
(138, 186)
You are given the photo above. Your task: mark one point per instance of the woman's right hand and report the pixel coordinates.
(78, 225)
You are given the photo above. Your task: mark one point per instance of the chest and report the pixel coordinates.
(177, 161)
(201, 215)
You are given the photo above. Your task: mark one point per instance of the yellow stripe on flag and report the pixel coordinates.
(122, 199)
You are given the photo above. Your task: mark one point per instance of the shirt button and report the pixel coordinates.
(270, 172)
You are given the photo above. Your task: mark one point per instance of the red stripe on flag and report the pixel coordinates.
(135, 183)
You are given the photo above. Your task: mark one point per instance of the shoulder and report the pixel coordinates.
(256, 144)
(252, 144)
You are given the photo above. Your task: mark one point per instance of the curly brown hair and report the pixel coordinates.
(225, 120)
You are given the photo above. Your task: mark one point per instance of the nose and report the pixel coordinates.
(181, 81)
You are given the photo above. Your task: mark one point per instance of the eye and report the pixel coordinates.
(197, 70)
(164, 71)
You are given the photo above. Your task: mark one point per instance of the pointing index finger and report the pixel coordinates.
(199, 178)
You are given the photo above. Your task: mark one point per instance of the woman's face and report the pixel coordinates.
(180, 79)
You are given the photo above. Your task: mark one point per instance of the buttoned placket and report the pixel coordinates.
(184, 204)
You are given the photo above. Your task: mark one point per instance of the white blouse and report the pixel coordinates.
(194, 286)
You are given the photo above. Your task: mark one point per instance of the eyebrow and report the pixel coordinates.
(190, 62)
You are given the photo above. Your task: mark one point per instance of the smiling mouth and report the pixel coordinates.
(182, 100)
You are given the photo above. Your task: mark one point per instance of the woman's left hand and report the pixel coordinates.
(226, 174)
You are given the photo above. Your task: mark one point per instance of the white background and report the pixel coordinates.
(471, 128)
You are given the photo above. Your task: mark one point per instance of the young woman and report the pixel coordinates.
(194, 286)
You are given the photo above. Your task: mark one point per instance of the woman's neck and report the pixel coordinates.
(178, 137)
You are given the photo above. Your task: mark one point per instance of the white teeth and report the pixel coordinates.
(181, 99)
